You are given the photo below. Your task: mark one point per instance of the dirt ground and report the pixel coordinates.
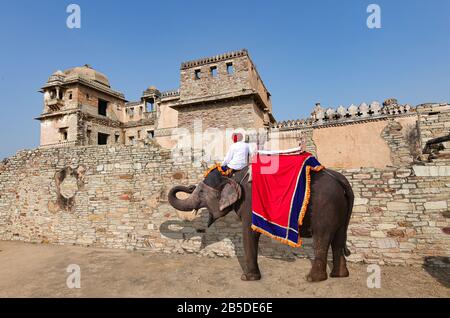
(34, 270)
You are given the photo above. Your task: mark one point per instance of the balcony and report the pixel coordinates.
(55, 104)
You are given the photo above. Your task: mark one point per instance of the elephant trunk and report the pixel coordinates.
(188, 204)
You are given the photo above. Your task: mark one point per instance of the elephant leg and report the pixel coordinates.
(339, 262)
(318, 271)
(251, 240)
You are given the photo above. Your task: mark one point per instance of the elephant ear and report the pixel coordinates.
(229, 194)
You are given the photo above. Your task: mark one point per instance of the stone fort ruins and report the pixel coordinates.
(104, 166)
(81, 108)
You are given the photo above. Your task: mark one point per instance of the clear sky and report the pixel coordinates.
(305, 51)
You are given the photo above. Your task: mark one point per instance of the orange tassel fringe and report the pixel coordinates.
(218, 167)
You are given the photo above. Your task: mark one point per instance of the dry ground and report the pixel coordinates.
(33, 270)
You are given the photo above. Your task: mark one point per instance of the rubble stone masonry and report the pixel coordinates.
(222, 115)
(116, 197)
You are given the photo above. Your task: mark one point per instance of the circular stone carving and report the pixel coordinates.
(68, 187)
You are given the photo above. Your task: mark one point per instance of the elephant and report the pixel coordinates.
(327, 218)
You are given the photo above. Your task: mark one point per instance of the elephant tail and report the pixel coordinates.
(350, 200)
(347, 251)
(342, 180)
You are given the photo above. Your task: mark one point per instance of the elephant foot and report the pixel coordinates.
(313, 277)
(341, 272)
(250, 277)
(339, 267)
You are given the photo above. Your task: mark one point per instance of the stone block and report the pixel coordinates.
(386, 226)
(399, 206)
(361, 201)
(435, 205)
(377, 234)
(396, 233)
(96, 217)
(432, 171)
(386, 243)
(362, 176)
(359, 209)
(403, 173)
(407, 246)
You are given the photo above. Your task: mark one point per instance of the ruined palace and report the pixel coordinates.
(81, 107)
(102, 172)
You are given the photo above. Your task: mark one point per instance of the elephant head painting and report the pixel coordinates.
(327, 219)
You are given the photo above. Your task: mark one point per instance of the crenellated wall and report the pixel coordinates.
(355, 137)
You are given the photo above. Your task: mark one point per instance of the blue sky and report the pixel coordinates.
(305, 51)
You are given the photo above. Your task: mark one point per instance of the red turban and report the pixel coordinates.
(237, 137)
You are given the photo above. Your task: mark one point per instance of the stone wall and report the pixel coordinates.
(224, 114)
(399, 215)
(167, 116)
(107, 196)
(89, 126)
(434, 121)
(223, 83)
(50, 129)
(290, 139)
(375, 143)
(116, 197)
(89, 97)
(401, 149)
(354, 137)
(213, 89)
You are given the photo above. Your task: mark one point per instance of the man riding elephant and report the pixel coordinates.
(329, 209)
(237, 156)
(236, 159)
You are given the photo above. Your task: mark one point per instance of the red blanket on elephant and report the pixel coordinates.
(280, 194)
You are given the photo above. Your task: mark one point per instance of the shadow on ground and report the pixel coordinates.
(439, 268)
(230, 229)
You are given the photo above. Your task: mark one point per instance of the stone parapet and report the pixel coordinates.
(214, 59)
(171, 93)
(321, 117)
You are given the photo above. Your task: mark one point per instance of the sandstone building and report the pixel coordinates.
(81, 108)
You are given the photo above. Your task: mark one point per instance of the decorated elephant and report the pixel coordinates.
(327, 219)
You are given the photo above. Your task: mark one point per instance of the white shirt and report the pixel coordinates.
(237, 156)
